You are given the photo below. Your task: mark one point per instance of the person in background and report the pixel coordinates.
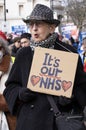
(15, 47)
(83, 54)
(72, 40)
(7, 121)
(66, 40)
(32, 109)
(83, 58)
(9, 38)
(25, 39)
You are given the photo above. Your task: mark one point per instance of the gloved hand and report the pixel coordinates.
(64, 100)
(26, 95)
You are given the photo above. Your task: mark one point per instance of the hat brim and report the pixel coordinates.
(54, 21)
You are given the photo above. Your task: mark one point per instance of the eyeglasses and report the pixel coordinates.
(37, 23)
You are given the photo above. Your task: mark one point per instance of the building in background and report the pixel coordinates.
(12, 12)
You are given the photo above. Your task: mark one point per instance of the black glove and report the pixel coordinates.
(26, 95)
(64, 100)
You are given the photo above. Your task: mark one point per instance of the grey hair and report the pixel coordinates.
(4, 44)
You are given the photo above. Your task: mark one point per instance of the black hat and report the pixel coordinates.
(44, 13)
(26, 35)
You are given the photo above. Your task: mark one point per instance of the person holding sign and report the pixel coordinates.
(32, 109)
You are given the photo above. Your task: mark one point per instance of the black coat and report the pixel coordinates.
(14, 50)
(37, 114)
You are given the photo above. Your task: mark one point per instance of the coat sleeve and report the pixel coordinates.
(80, 84)
(12, 88)
(17, 79)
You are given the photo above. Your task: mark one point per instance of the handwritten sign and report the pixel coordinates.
(53, 72)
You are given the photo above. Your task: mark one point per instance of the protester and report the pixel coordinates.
(15, 47)
(72, 40)
(25, 39)
(9, 38)
(83, 54)
(7, 121)
(32, 109)
(66, 40)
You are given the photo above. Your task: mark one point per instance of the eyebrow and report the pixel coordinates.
(24, 42)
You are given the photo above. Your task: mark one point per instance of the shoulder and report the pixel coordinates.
(59, 45)
(24, 51)
(24, 54)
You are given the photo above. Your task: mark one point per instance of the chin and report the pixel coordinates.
(37, 40)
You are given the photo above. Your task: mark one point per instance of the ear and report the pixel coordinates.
(52, 28)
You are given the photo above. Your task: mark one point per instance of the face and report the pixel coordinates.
(40, 30)
(17, 44)
(25, 42)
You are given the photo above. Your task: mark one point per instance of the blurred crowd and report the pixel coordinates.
(16, 42)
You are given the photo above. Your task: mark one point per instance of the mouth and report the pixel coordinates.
(36, 35)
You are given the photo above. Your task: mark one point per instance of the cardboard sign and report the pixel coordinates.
(53, 72)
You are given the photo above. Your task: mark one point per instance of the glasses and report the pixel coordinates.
(37, 23)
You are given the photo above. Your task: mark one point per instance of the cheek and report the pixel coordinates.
(44, 34)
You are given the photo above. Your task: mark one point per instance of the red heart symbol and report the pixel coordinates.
(35, 79)
(66, 85)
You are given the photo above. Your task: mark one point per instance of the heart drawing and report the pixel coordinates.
(66, 85)
(35, 79)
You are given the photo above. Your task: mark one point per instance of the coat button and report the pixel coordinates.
(51, 109)
(32, 106)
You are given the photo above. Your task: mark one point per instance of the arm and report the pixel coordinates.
(79, 90)
(17, 79)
